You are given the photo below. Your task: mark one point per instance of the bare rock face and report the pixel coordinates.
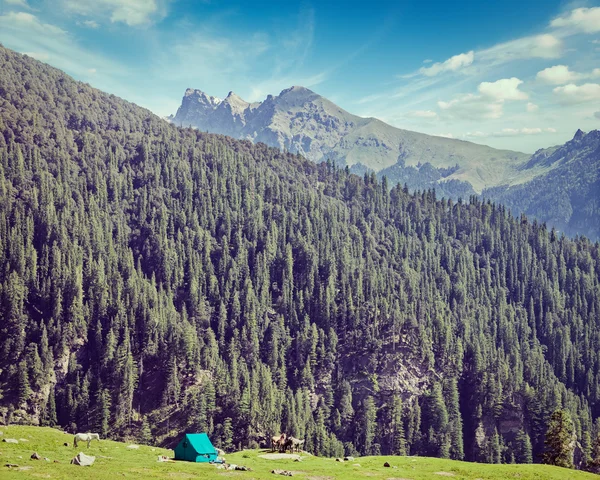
(300, 121)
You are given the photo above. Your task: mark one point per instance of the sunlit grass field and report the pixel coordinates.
(114, 460)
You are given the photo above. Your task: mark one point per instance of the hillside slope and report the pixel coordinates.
(155, 279)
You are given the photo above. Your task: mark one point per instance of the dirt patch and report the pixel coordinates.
(279, 456)
(444, 474)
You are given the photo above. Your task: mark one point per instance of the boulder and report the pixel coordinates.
(10, 440)
(348, 459)
(36, 456)
(83, 460)
(386, 464)
(133, 447)
(285, 473)
(339, 459)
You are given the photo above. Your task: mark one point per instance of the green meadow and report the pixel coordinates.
(114, 460)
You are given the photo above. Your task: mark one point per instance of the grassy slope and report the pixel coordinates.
(115, 460)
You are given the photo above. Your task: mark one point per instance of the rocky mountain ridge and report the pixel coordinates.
(300, 121)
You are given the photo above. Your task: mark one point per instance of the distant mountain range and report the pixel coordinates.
(300, 121)
(567, 194)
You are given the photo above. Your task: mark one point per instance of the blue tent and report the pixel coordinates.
(195, 447)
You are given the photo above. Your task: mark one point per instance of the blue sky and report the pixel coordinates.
(512, 74)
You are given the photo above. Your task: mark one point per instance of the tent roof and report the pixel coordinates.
(200, 442)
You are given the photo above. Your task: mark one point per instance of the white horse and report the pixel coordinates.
(85, 437)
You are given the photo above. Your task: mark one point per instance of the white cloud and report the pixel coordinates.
(504, 89)
(561, 75)
(451, 65)
(557, 75)
(476, 134)
(30, 22)
(572, 93)
(472, 107)
(422, 114)
(445, 135)
(532, 107)
(91, 23)
(130, 12)
(512, 132)
(18, 3)
(26, 33)
(536, 46)
(585, 20)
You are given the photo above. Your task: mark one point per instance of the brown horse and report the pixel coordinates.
(277, 441)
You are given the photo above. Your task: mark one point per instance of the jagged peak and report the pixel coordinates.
(296, 89)
(578, 134)
(234, 97)
(194, 92)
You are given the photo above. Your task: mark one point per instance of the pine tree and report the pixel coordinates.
(227, 437)
(23, 387)
(523, 452)
(559, 440)
(145, 437)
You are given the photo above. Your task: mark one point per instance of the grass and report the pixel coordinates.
(114, 460)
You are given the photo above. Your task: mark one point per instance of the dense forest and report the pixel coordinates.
(155, 280)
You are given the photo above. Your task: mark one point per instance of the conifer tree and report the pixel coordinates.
(559, 440)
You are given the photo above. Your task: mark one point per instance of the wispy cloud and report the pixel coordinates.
(510, 132)
(19, 3)
(27, 33)
(422, 114)
(130, 12)
(453, 64)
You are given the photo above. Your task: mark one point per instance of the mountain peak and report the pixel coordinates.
(578, 135)
(297, 90)
(233, 95)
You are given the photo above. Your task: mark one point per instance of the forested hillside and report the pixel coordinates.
(155, 279)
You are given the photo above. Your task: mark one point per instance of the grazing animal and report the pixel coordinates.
(288, 444)
(277, 441)
(299, 445)
(296, 444)
(85, 437)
